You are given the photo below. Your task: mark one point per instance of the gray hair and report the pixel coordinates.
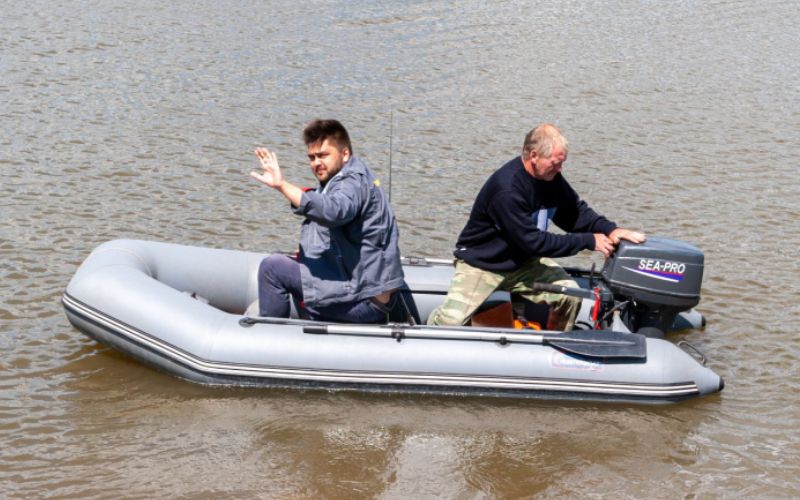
(543, 139)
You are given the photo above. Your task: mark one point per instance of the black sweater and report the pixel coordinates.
(502, 232)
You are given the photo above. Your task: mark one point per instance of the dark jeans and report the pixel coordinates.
(279, 280)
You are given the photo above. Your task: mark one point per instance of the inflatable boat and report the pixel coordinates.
(181, 310)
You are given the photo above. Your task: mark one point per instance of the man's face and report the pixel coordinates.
(326, 159)
(546, 168)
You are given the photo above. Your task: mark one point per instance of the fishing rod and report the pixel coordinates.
(391, 134)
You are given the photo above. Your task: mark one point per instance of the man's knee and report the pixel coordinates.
(571, 303)
(275, 269)
(445, 316)
(567, 282)
(569, 299)
(268, 265)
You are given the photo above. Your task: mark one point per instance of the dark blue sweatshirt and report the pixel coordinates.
(508, 222)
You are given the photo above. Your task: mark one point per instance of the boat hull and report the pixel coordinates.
(136, 297)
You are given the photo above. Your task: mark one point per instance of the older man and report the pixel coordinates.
(505, 244)
(348, 266)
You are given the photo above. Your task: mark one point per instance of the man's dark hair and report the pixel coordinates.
(332, 130)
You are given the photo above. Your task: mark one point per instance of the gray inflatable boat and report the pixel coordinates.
(181, 309)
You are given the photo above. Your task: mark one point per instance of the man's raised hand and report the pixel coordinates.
(271, 174)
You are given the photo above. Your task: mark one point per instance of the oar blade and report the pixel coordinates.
(600, 344)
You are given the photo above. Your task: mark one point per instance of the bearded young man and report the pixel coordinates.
(348, 265)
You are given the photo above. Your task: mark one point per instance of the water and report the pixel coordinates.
(139, 120)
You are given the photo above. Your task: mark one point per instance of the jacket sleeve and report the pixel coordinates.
(575, 216)
(335, 206)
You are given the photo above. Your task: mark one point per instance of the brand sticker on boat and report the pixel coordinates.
(660, 269)
(566, 361)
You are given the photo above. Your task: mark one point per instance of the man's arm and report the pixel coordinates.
(574, 215)
(339, 204)
(582, 218)
(511, 214)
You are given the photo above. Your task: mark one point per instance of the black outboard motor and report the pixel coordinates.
(658, 278)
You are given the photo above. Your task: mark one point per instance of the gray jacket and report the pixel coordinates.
(349, 240)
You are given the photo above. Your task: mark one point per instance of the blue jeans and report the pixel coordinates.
(279, 281)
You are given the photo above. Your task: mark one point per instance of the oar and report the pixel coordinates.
(590, 343)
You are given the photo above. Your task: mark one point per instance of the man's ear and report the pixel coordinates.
(346, 153)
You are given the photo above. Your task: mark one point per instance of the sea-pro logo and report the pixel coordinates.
(660, 269)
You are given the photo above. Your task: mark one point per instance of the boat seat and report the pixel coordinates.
(496, 311)
(404, 309)
(501, 308)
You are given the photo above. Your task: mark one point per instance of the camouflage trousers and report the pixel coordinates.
(472, 286)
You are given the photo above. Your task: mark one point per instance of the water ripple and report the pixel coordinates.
(140, 122)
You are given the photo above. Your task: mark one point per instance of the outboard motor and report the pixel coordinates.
(658, 279)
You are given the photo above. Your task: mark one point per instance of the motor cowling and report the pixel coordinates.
(659, 278)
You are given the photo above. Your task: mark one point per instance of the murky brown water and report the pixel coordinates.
(123, 120)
